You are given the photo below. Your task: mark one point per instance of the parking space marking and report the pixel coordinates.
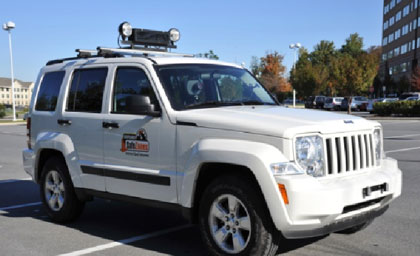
(125, 241)
(403, 136)
(19, 206)
(401, 150)
(14, 180)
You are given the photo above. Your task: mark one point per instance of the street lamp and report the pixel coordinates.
(294, 47)
(8, 27)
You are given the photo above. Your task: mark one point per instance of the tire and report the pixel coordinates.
(258, 233)
(57, 192)
(355, 229)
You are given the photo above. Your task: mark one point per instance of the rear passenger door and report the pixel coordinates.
(82, 120)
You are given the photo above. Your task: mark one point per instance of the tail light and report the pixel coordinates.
(28, 131)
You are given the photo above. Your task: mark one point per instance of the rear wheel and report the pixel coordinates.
(58, 193)
(234, 220)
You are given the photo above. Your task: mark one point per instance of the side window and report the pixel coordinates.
(130, 81)
(86, 91)
(49, 90)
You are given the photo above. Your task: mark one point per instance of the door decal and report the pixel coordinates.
(135, 143)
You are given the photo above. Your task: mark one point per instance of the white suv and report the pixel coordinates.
(203, 137)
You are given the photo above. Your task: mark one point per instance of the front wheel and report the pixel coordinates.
(234, 220)
(58, 193)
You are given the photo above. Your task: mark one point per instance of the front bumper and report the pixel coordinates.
(28, 156)
(319, 206)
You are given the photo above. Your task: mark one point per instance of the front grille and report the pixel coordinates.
(349, 153)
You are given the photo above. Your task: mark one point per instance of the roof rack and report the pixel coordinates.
(106, 52)
(140, 52)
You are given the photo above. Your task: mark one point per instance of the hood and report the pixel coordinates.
(274, 120)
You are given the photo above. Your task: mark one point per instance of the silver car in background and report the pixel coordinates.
(333, 103)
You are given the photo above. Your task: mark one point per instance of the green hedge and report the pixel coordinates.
(397, 108)
(2, 110)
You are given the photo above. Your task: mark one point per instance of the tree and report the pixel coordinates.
(353, 45)
(2, 110)
(255, 66)
(272, 73)
(209, 55)
(415, 80)
(323, 52)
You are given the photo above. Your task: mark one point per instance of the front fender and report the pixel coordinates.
(62, 143)
(254, 155)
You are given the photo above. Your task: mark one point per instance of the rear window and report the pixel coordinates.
(49, 90)
(86, 91)
(329, 100)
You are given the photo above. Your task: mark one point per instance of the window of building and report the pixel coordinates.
(86, 91)
(384, 55)
(413, 44)
(385, 41)
(415, 4)
(398, 16)
(404, 67)
(414, 23)
(48, 92)
(398, 1)
(397, 51)
(386, 9)
(392, 4)
(390, 54)
(391, 38)
(405, 29)
(403, 48)
(130, 81)
(397, 34)
(386, 25)
(1, 89)
(406, 10)
(391, 21)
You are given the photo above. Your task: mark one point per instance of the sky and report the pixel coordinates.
(234, 30)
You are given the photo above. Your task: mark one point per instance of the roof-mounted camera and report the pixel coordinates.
(138, 38)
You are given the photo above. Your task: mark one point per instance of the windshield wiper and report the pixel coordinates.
(255, 102)
(212, 104)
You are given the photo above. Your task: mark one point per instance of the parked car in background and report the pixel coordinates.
(310, 102)
(412, 98)
(359, 103)
(409, 94)
(320, 101)
(373, 101)
(333, 103)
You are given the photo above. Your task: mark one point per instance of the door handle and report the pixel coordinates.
(110, 125)
(64, 122)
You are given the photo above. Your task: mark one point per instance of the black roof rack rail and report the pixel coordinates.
(86, 54)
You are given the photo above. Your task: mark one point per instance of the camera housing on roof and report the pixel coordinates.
(146, 38)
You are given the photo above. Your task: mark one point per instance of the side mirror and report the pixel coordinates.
(141, 105)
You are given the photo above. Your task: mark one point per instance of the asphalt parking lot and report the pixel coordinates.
(115, 228)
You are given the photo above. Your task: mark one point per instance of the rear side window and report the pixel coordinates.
(86, 90)
(49, 90)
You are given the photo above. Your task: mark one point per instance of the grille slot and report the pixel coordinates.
(349, 153)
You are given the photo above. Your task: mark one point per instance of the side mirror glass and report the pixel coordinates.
(141, 105)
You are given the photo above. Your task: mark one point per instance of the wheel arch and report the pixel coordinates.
(211, 158)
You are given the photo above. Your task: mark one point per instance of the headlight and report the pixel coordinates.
(286, 169)
(377, 139)
(310, 155)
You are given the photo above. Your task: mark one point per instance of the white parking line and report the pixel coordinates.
(14, 180)
(19, 206)
(403, 136)
(401, 150)
(125, 241)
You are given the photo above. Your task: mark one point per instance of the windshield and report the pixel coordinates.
(202, 85)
